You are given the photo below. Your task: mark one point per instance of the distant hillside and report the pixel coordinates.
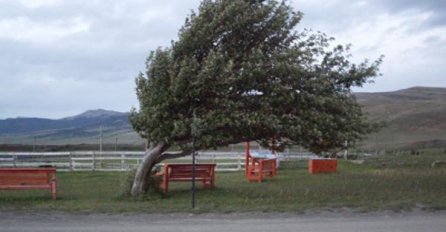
(82, 128)
(415, 117)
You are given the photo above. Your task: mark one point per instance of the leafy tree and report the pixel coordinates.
(248, 75)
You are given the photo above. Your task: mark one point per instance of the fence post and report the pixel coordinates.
(239, 165)
(122, 161)
(14, 160)
(93, 167)
(70, 157)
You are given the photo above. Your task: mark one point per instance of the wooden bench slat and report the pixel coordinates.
(8, 175)
(18, 187)
(24, 182)
(43, 178)
(27, 170)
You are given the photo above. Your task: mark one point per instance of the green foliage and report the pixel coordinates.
(250, 75)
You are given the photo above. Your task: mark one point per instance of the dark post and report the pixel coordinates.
(194, 133)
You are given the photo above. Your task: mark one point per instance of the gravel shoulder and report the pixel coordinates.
(340, 220)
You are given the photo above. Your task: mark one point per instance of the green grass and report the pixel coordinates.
(385, 182)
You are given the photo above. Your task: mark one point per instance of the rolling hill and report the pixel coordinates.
(80, 129)
(415, 118)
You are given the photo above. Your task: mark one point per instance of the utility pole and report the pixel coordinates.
(100, 138)
(34, 144)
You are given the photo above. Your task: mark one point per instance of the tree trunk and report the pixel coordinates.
(142, 175)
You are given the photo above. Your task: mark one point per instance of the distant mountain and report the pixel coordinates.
(415, 117)
(82, 128)
(99, 113)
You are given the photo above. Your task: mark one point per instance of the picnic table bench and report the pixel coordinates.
(28, 178)
(183, 172)
(260, 168)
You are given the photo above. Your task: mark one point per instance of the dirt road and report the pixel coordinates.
(258, 222)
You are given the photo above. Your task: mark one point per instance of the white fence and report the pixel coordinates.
(123, 161)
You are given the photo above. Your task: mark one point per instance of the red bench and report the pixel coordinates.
(28, 178)
(260, 168)
(256, 169)
(183, 172)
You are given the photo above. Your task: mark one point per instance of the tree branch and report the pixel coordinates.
(166, 156)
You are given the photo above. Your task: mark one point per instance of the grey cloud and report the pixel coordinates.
(436, 7)
(115, 44)
(87, 70)
(339, 14)
(401, 5)
(96, 68)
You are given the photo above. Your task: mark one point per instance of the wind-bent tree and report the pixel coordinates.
(248, 75)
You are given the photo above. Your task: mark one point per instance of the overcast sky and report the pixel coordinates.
(61, 57)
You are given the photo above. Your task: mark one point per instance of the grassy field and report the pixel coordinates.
(385, 182)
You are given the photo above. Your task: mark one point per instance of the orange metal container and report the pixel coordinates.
(322, 165)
